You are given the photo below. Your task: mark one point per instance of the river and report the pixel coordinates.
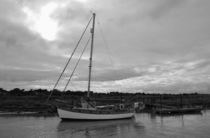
(144, 125)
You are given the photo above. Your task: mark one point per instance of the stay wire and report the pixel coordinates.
(69, 59)
(76, 65)
(106, 44)
(107, 47)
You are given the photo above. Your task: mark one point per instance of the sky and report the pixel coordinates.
(151, 46)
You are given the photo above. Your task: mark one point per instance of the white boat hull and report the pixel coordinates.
(65, 114)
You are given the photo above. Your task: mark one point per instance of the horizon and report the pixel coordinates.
(158, 46)
(108, 92)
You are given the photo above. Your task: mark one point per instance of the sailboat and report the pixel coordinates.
(88, 109)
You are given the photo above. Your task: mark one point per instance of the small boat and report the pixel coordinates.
(172, 110)
(88, 109)
(184, 110)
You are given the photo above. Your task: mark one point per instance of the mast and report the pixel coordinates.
(91, 54)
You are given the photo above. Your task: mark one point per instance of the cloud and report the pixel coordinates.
(154, 46)
(108, 74)
(163, 7)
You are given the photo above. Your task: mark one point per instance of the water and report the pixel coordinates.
(144, 126)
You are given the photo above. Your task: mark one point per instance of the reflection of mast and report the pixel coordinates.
(87, 133)
(91, 54)
(182, 119)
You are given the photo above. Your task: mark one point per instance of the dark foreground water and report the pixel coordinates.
(143, 126)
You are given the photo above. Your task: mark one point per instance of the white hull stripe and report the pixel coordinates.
(85, 116)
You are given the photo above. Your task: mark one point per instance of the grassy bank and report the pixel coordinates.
(34, 101)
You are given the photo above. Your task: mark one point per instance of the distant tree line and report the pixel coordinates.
(45, 92)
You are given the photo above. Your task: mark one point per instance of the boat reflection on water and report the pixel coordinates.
(143, 126)
(114, 128)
